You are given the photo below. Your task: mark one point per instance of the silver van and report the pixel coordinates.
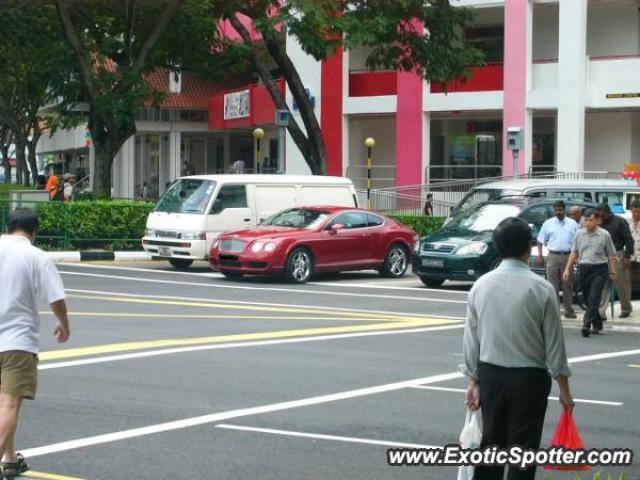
(614, 192)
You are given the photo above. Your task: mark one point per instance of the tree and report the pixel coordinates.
(116, 43)
(410, 35)
(6, 139)
(31, 52)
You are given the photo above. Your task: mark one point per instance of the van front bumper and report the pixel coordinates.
(175, 248)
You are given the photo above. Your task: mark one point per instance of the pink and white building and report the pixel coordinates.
(567, 72)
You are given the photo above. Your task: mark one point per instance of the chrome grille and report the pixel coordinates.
(438, 247)
(232, 246)
(166, 234)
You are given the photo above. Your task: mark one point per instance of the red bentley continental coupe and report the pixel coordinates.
(299, 242)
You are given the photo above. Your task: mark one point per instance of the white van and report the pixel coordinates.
(196, 209)
(613, 192)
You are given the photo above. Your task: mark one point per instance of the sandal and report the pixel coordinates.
(14, 469)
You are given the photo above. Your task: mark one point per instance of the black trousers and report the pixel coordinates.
(593, 279)
(513, 402)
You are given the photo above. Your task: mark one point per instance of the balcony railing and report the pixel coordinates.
(372, 83)
(486, 78)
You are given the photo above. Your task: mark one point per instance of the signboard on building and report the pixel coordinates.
(623, 95)
(236, 105)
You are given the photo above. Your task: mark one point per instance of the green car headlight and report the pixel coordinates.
(474, 248)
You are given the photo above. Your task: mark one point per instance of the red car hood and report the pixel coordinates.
(264, 232)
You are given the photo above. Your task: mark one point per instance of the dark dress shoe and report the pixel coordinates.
(585, 332)
(625, 315)
(570, 315)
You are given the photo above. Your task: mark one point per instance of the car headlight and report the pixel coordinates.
(193, 235)
(256, 247)
(474, 248)
(216, 244)
(150, 232)
(270, 247)
(416, 244)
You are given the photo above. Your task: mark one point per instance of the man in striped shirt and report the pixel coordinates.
(513, 346)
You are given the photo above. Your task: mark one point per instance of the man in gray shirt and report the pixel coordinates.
(596, 255)
(513, 346)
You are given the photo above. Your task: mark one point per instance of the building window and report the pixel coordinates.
(489, 40)
(193, 116)
(465, 149)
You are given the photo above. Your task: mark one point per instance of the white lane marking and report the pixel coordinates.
(266, 289)
(417, 288)
(228, 415)
(144, 270)
(577, 400)
(603, 356)
(261, 304)
(258, 343)
(375, 283)
(275, 407)
(317, 436)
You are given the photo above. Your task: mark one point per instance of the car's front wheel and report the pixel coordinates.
(180, 262)
(432, 282)
(396, 262)
(299, 266)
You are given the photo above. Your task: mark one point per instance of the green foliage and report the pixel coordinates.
(81, 225)
(422, 224)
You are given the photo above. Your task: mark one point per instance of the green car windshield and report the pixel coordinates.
(483, 218)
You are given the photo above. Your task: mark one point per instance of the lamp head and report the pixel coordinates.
(258, 134)
(370, 142)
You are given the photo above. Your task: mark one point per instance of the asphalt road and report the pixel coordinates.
(190, 375)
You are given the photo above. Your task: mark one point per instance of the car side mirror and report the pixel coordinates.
(335, 228)
(216, 207)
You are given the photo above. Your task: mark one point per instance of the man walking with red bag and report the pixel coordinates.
(513, 346)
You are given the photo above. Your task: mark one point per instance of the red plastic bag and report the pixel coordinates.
(567, 437)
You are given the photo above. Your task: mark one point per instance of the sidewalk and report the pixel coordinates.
(631, 321)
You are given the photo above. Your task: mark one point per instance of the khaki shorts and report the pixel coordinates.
(19, 374)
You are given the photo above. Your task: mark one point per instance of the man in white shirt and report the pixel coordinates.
(27, 276)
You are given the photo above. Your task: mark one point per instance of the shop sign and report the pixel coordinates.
(236, 105)
(623, 95)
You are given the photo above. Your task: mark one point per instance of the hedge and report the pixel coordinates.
(103, 224)
(422, 224)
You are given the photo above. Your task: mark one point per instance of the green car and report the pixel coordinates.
(463, 250)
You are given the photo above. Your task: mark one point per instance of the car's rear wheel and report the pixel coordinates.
(299, 266)
(180, 262)
(432, 282)
(233, 275)
(396, 262)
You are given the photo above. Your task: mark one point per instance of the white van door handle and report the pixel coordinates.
(246, 220)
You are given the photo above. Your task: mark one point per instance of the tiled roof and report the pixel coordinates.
(195, 93)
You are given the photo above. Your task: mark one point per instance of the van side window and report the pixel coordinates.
(612, 198)
(586, 196)
(230, 196)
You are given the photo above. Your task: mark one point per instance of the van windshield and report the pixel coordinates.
(187, 195)
(481, 195)
(297, 218)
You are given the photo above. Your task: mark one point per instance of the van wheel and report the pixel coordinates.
(180, 263)
(233, 275)
(299, 266)
(432, 282)
(396, 262)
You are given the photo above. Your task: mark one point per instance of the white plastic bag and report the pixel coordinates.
(470, 437)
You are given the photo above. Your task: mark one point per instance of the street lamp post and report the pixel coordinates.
(258, 134)
(370, 143)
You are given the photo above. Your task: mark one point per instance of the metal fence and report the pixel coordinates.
(83, 225)
(446, 194)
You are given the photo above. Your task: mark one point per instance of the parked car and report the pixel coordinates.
(195, 210)
(299, 242)
(612, 192)
(463, 249)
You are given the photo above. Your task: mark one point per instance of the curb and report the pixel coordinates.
(95, 255)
